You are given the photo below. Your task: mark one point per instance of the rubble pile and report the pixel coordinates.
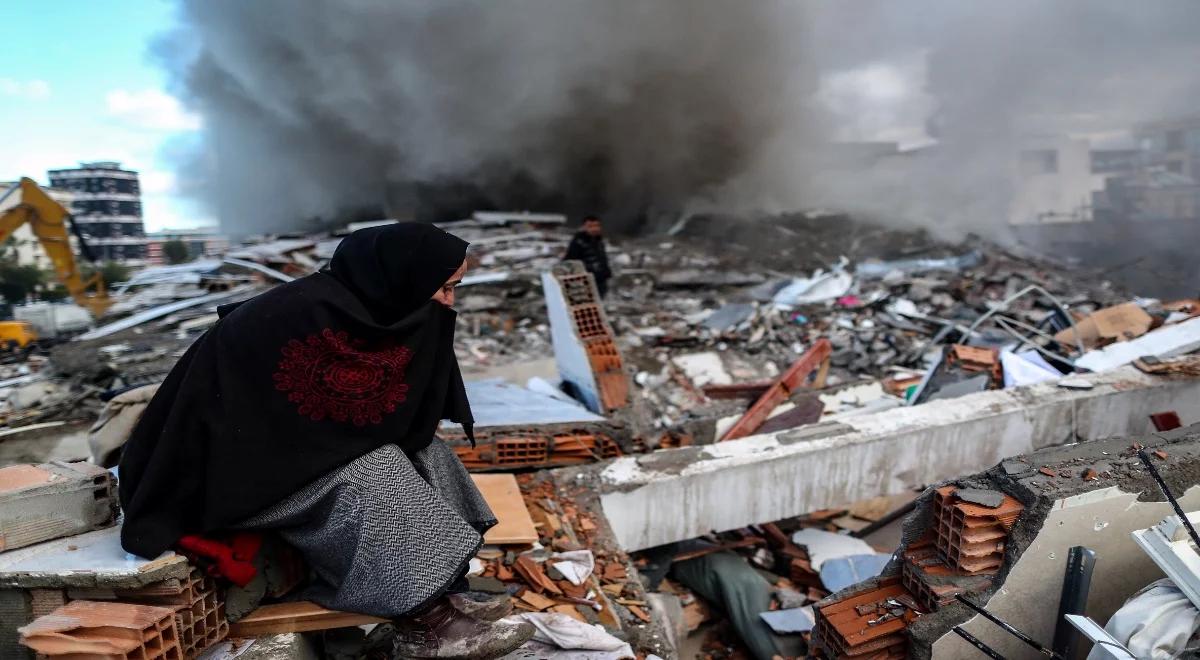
(572, 568)
(716, 303)
(718, 330)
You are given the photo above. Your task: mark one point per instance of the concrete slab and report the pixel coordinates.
(95, 559)
(677, 494)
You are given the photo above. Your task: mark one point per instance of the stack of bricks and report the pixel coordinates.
(934, 583)
(971, 537)
(583, 302)
(974, 359)
(532, 448)
(199, 611)
(117, 631)
(867, 624)
(960, 553)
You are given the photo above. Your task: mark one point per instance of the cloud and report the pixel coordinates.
(34, 90)
(150, 109)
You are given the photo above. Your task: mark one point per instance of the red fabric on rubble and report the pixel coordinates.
(232, 559)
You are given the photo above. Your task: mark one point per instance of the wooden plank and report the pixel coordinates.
(300, 616)
(815, 359)
(504, 497)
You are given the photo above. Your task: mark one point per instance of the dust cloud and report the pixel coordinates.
(645, 111)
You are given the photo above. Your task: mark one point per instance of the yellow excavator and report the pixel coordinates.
(49, 221)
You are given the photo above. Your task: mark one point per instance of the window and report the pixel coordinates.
(1039, 161)
(1175, 166)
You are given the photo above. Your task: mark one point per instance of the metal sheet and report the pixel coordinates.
(499, 403)
(148, 315)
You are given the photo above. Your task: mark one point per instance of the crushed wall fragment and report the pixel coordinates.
(584, 344)
(43, 502)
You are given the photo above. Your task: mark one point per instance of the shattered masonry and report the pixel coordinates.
(933, 582)
(959, 551)
(588, 356)
(971, 537)
(198, 607)
(866, 624)
(199, 611)
(49, 501)
(105, 630)
(540, 447)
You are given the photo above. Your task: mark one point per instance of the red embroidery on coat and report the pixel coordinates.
(331, 375)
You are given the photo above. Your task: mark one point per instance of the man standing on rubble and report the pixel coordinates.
(588, 246)
(310, 411)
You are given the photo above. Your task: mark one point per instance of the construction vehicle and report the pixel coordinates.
(16, 334)
(49, 221)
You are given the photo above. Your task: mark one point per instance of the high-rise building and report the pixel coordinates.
(107, 209)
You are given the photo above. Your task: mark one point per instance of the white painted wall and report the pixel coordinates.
(1064, 195)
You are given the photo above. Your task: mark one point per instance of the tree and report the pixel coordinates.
(17, 281)
(176, 252)
(110, 271)
(55, 293)
(113, 273)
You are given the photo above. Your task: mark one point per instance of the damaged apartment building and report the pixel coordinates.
(877, 446)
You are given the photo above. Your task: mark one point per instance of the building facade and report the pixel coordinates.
(107, 209)
(1053, 181)
(1172, 145)
(201, 242)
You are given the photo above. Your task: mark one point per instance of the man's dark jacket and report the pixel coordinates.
(590, 250)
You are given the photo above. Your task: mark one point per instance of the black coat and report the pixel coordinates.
(295, 383)
(591, 251)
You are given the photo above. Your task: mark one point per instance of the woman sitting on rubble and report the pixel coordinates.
(311, 410)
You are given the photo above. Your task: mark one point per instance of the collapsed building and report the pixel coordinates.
(760, 396)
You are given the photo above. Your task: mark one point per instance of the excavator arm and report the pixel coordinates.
(48, 219)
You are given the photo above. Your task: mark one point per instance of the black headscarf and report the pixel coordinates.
(295, 383)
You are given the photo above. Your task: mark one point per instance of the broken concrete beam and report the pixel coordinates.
(105, 630)
(676, 494)
(49, 501)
